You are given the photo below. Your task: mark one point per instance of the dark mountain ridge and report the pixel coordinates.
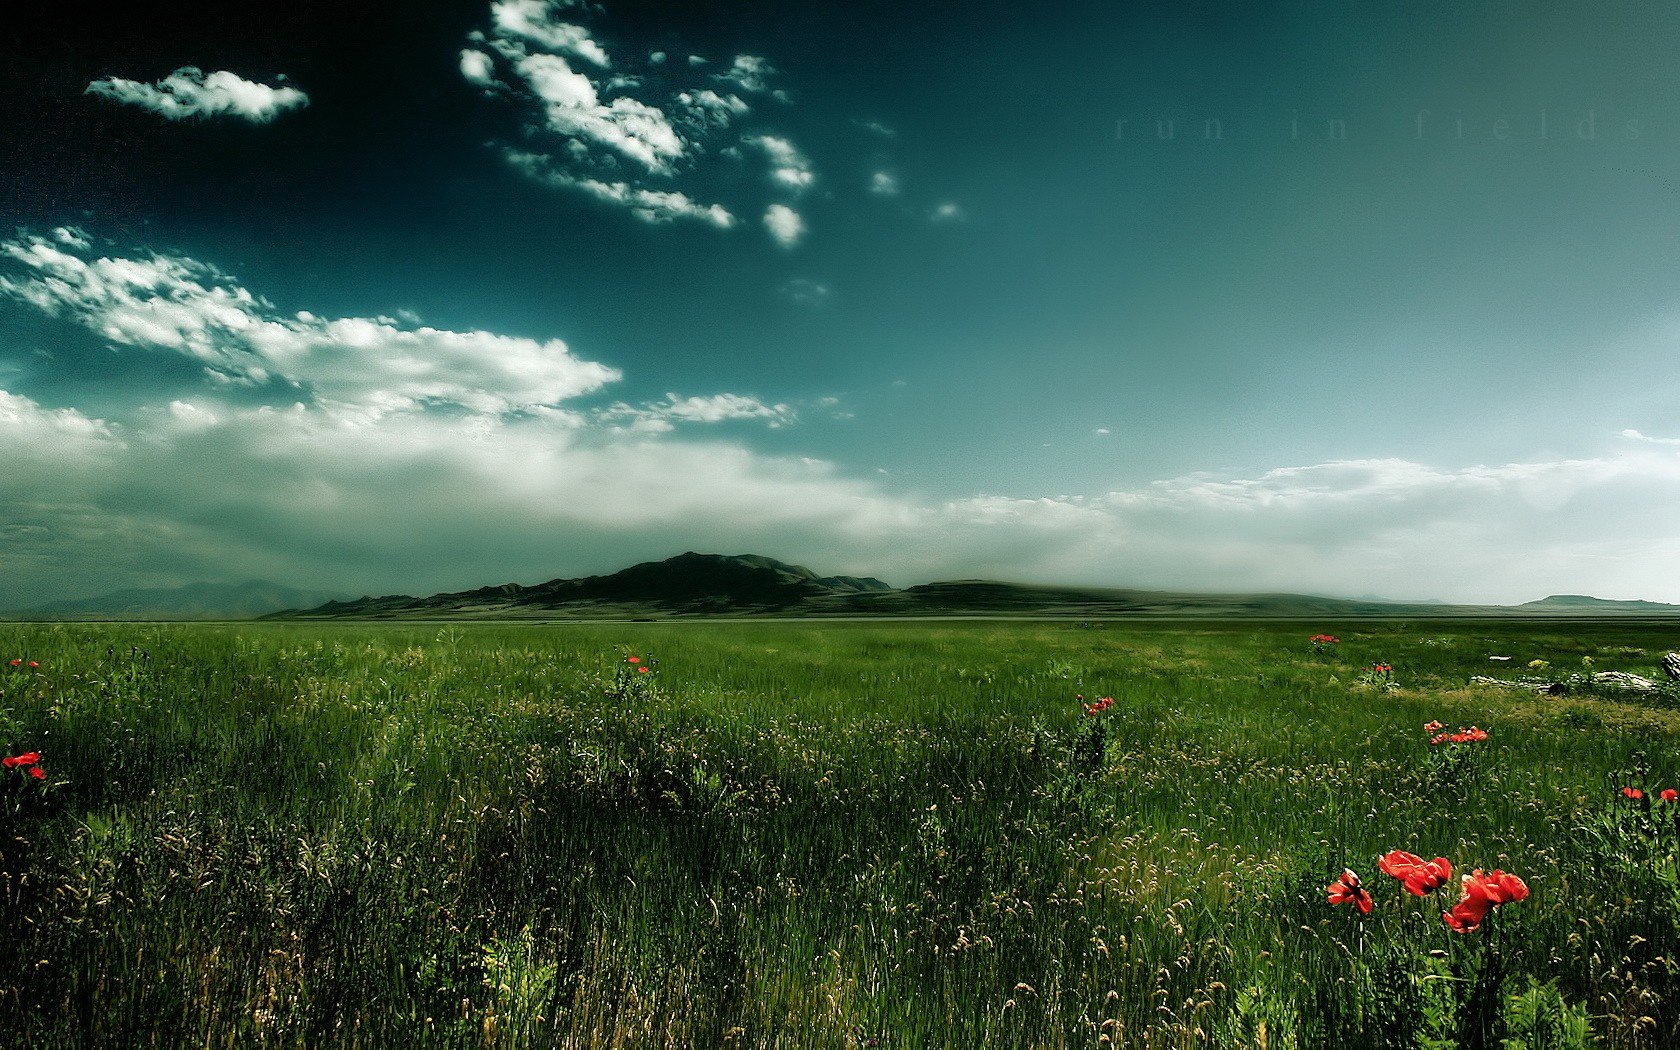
(694, 584)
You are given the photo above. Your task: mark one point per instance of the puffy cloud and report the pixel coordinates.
(26, 426)
(785, 225)
(710, 109)
(883, 184)
(948, 212)
(374, 365)
(537, 22)
(189, 92)
(653, 141)
(478, 68)
(575, 109)
(788, 167)
(1634, 435)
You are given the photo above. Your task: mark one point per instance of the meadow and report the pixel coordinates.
(829, 835)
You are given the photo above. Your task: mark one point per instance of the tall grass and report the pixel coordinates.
(826, 835)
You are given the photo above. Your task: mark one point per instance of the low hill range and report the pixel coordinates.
(192, 601)
(701, 585)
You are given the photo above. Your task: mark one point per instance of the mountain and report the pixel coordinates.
(193, 601)
(694, 584)
(688, 584)
(1584, 603)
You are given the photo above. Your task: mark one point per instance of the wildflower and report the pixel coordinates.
(632, 659)
(1432, 727)
(15, 663)
(1668, 794)
(28, 758)
(1483, 893)
(642, 670)
(1420, 876)
(1633, 793)
(1325, 639)
(37, 772)
(1102, 704)
(1346, 888)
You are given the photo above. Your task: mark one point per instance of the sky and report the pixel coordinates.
(1344, 298)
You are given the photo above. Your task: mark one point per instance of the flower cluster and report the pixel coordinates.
(32, 665)
(1385, 670)
(1481, 892)
(1321, 642)
(1666, 794)
(636, 662)
(29, 762)
(1420, 877)
(1473, 735)
(1097, 707)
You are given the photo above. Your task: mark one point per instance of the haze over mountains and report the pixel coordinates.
(698, 585)
(694, 584)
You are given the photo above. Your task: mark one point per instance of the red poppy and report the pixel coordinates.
(32, 663)
(1432, 727)
(633, 659)
(1325, 639)
(16, 662)
(1633, 793)
(37, 772)
(28, 758)
(642, 670)
(1419, 876)
(1483, 893)
(1668, 794)
(1347, 888)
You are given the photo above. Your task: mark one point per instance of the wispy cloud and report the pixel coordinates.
(189, 92)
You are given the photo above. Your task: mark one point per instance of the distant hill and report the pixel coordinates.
(694, 584)
(193, 601)
(1583, 603)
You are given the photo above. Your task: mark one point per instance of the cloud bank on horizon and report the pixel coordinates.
(400, 456)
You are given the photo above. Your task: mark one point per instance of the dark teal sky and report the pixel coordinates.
(1393, 310)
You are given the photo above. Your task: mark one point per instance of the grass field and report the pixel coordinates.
(826, 835)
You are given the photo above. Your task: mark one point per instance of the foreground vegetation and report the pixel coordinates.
(828, 835)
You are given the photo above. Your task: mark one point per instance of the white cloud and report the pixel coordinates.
(478, 68)
(805, 292)
(651, 206)
(948, 212)
(1103, 431)
(784, 224)
(25, 426)
(661, 416)
(876, 127)
(188, 92)
(709, 108)
(1634, 435)
(537, 22)
(750, 73)
(788, 166)
(656, 58)
(370, 365)
(883, 184)
(575, 109)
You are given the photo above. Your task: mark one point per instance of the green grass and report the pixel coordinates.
(821, 835)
